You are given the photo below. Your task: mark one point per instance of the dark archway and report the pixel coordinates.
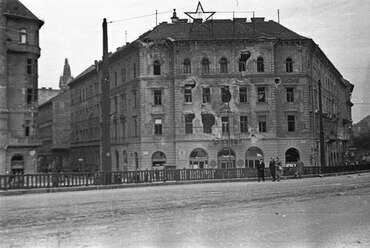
(226, 158)
(198, 159)
(158, 159)
(17, 164)
(291, 156)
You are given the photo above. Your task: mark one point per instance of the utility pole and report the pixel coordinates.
(322, 137)
(106, 153)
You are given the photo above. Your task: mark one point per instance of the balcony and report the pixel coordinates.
(22, 141)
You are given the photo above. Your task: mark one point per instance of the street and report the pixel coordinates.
(312, 212)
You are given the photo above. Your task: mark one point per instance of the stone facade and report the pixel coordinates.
(169, 91)
(19, 53)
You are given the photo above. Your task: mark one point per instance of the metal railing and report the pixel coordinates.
(75, 179)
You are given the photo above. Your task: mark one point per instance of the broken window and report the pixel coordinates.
(157, 68)
(260, 65)
(244, 56)
(225, 94)
(189, 123)
(158, 126)
(208, 121)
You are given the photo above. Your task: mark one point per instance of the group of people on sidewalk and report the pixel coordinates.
(276, 169)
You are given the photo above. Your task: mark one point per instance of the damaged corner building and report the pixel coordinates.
(213, 94)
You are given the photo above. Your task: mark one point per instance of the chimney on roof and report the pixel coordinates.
(174, 17)
(258, 19)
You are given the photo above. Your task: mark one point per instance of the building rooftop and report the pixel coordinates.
(16, 8)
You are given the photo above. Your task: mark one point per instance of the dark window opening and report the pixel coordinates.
(243, 124)
(225, 94)
(244, 56)
(206, 95)
(29, 66)
(157, 68)
(205, 66)
(223, 65)
(289, 65)
(261, 94)
(189, 123)
(243, 94)
(225, 124)
(187, 66)
(291, 123)
(290, 94)
(188, 95)
(158, 126)
(208, 121)
(260, 65)
(157, 97)
(262, 124)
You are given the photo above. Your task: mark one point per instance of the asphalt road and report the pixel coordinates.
(313, 212)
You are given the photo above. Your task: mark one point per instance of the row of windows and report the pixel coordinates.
(223, 65)
(206, 95)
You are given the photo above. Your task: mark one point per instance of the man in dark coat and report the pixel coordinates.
(261, 170)
(272, 169)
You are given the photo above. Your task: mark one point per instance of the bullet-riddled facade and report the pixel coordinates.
(170, 102)
(19, 53)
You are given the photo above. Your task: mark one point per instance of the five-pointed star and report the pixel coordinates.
(200, 13)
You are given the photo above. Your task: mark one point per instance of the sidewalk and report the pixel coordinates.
(150, 184)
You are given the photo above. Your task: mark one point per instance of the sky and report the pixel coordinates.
(73, 30)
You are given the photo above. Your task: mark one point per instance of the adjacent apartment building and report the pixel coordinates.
(19, 53)
(212, 93)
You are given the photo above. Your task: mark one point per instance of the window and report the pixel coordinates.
(157, 97)
(291, 123)
(189, 123)
(134, 92)
(244, 56)
(289, 65)
(134, 70)
(208, 121)
(206, 95)
(27, 128)
(225, 124)
(243, 94)
(135, 127)
(187, 95)
(157, 68)
(260, 65)
(262, 123)
(29, 66)
(223, 65)
(205, 66)
(225, 94)
(158, 126)
(261, 94)
(124, 75)
(124, 126)
(290, 94)
(29, 95)
(23, 36)
(115, 79)
(123, 101)
(243, 124)
(187, 66)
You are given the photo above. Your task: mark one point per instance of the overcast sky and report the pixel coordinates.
(73, 30)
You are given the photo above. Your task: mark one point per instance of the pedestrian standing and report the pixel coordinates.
(299, 172)
(261, 170)
(279, 169)
(272, 169)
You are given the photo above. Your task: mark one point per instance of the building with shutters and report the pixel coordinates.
(210, 93)
(19, 53)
